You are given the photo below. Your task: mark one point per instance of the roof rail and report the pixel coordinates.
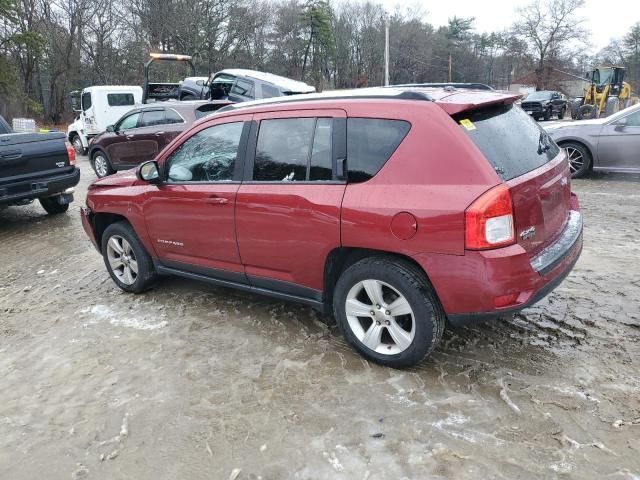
(373, 93)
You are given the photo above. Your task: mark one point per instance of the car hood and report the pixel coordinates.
(124, 178)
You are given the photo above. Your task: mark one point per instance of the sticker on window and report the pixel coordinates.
(466, 123)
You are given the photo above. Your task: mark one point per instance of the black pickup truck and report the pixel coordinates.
(36, 165)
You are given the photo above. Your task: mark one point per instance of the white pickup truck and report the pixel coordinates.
(97, 108)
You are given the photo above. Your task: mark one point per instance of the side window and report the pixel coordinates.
(370, 143)
(4, 128)
(120, 99)
(129, 122)
(633, 120)
(243, 87)
(322, 153)
(283, 149)
(152, 118)
(208, 156)
(171, 116)
(86, 101)
(269, 91)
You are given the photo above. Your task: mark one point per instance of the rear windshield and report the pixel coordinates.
(512, 142)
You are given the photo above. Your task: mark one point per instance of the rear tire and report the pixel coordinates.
(388, 311)
(101, 164)
(579, 158)
(126, 259)
(52, 207)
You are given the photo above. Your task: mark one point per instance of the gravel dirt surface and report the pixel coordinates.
(189, 381)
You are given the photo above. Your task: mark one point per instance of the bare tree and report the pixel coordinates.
(548, 27)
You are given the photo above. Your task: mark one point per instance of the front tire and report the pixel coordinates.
(76, 142)
(188, 97)
(52, 206)
(579, 158)
(126, 259)
(101, 164)
(562, 113)
(547, 115)
(388, 312)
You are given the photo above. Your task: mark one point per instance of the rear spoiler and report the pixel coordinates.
(453, 105)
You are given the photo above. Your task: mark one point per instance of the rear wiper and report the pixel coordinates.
(543, 143)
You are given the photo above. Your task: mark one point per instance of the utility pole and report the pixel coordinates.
(386, 51)
(449, 67)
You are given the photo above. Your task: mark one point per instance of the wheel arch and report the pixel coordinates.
(341, 258)
(101, 220)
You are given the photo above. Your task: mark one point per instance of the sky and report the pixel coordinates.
(604, 19)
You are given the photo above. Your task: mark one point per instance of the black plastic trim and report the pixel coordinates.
(287, 288)
(225, 275)
(164, 270)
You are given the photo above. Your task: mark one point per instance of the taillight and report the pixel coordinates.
(71, 153)
(489, 220)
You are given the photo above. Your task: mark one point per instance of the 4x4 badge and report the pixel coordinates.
(528, 234)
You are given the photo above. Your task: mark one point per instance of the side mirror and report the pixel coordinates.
(620, 124)
(149, 172)
(110, 129)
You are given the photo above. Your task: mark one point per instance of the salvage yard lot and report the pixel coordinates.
(193, 381)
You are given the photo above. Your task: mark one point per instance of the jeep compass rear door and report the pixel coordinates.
(288, 207)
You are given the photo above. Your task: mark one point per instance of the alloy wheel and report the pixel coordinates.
(122, 260)
(101, 165)
(576, 159)
(380, 317)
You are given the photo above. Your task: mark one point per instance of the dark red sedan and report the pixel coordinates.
(142, 132)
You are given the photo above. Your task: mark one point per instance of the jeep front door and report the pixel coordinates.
(190, 217)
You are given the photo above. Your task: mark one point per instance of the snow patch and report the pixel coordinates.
(102, 312)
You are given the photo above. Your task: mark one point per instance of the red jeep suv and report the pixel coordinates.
(396, 209)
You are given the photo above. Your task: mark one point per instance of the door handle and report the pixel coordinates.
(15, 155)
(129, 137)
(158, 134)
(217, 200)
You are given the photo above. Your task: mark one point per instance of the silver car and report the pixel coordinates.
(611, 144)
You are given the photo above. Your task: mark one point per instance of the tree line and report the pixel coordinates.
(51, 47)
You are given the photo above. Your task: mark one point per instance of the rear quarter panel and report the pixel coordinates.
(434, 174)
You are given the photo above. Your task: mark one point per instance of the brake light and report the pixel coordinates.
(489, 220)
(71, 153)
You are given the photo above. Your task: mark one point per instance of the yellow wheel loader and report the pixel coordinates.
(607, 93)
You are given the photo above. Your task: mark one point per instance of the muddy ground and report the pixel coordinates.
(190, 381)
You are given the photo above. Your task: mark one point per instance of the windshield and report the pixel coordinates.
(603, 76)
(622, 113)
(538, 96)
(512, 142)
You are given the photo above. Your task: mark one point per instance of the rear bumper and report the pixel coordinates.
(471, 285)
(38, 187)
